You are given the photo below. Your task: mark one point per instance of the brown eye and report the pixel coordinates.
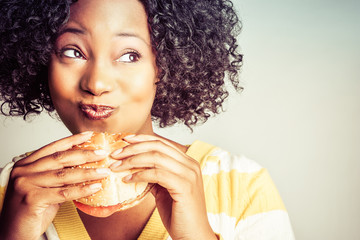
(72, 53)
(129, 57)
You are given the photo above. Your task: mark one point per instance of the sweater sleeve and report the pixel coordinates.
(264, 215)
(242, 200)
(4, 179)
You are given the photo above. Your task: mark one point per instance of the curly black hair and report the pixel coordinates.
(194, 41)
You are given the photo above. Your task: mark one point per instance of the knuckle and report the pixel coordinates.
(193, 175)
(60, 173)
(18, 163)
(88, 153)
(57, 156)
(89, 173)
(31, 197)
(15, 172)
(64, 193)
(19, 184)
(84, 152)
(156, 156)
(129, 161)
(157, 174)
(196, 167)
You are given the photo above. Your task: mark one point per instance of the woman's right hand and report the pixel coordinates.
(42, 181)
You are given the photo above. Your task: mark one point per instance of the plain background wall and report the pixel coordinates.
(299, 115)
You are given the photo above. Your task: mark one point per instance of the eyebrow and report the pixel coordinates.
(129, 34)
(80, 31)
(71, 30)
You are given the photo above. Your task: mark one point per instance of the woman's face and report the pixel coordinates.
(103, 74)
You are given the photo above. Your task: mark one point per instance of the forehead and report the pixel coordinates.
(112, 16)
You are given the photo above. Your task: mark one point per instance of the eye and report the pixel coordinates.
(129, 57)
(72, 53)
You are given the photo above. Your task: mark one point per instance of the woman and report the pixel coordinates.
(118, 66)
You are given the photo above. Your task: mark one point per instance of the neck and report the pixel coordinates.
(126, 224)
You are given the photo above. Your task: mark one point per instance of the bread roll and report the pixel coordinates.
(115, 194)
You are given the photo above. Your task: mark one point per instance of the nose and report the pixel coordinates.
(97, 79)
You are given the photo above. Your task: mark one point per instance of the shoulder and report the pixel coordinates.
(214, 159)
(241, 198)
(243, 187)
(221, 160)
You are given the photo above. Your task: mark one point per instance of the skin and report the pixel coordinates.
(103, 56)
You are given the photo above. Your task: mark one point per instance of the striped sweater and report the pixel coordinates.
(241, 199)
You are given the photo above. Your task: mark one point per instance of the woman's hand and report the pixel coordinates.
(42, 181)
(178, 191)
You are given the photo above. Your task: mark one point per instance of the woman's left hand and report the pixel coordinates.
(178, 190)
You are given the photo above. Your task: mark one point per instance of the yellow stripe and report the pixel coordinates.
(68, 223)
(154, 229)
(236, 194)
(200, 151)
(2, 196)
(241, 195)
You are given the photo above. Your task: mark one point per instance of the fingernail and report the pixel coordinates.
(129, 136)
(103, 171)
(117, 152)
(127, 178)
(101, 152)
(87, 133)
(96, 186)
(116, 164)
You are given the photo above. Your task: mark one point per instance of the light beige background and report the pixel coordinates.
(299, 115)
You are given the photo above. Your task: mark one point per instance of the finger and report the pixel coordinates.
(67, 176)
(144, 138)
(63, 194)
(175, 184)
(152, 146)
(151, 159)
(149, 138)
(59, 160)
(57, 146)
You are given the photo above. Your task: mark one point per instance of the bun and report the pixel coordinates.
(115, 194)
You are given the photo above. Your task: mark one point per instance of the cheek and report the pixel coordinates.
(61, 84)
(142, 87)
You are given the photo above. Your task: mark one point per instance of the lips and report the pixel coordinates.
(96, 112)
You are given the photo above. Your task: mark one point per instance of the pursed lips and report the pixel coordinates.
(96, 112)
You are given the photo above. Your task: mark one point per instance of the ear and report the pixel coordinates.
(157, 74)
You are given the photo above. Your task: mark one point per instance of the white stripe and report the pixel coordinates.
(5, 174)
(273, 225)
(227, 162)
(51, 233)
(223, 225)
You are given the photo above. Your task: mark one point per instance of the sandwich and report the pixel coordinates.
(115, 194)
